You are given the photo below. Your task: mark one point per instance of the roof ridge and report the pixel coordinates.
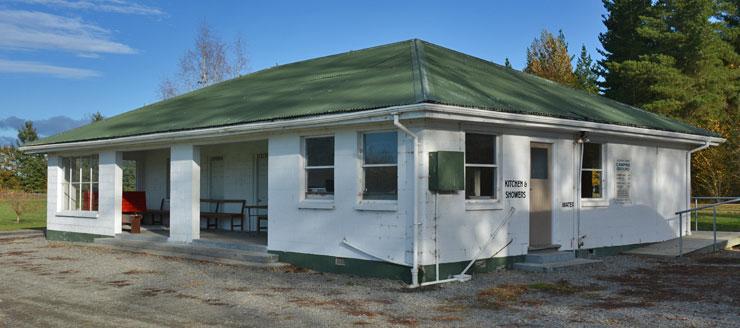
(421, 89)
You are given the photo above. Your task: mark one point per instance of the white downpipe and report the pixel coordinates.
(417, 223)
(688, 179)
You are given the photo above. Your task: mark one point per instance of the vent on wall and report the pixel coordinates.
(339, 261)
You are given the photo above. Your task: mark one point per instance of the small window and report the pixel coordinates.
(130, 176)
(80, 184)
(380, 165)
(592, 171)
(319, 164)
(480, 166)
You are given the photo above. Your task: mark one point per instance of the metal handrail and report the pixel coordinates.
(697, 209)
(696, 204)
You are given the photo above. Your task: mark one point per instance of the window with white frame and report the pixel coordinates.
(80, 184)
(480, 166)
(319, 165)
(592, 171)
(380, 165)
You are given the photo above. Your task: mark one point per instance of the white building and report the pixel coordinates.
(339, 150)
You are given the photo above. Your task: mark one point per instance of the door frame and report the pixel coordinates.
(553, 169)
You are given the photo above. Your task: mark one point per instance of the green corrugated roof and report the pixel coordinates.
(401, 73)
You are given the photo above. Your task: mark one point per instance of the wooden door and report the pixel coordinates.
(540, 198)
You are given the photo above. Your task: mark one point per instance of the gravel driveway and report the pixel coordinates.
(56, 284)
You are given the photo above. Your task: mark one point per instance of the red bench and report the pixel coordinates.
(133, 209)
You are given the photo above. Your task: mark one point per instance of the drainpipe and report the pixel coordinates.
(688, 179)
(417, 223)
(582, 138)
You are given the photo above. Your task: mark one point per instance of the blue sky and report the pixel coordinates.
(71, 58)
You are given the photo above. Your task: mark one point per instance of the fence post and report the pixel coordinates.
(714, 227)
(680, 234)
(696, 215)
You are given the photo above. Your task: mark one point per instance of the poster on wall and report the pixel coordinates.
(624, 180)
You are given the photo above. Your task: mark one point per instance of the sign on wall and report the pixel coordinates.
(624, 180)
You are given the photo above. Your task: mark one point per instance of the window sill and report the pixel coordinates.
(377, 205)
(482, 205)
(78, 214)
(316, 204)
(600, 202)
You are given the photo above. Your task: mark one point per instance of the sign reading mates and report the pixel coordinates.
(624, 180)
(512, 184)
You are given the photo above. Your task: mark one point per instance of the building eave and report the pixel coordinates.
(424, 110)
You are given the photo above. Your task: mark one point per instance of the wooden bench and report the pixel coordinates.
(212, 217)
(164, 210)
(133, 207)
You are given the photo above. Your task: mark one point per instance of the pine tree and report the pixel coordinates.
(620, 43)
(507, 63)
(27, 133)
(548, 57)
(585, 72)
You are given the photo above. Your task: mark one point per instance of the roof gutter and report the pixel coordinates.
(426, 110)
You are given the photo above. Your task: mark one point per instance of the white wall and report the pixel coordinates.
(318, 227)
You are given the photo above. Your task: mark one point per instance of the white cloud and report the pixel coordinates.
(109, 6)
(29, 67)
(32, 30)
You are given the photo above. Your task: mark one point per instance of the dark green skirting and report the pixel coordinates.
(377, 269)
(72, 236)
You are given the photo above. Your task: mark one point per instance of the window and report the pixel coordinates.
(130, 176)
(380, 165)
(480, 166)
(319, 164)
(80, 185)
(592, 171)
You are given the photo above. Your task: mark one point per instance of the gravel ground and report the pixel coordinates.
(56, 284)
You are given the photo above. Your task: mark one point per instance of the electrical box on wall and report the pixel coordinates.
(446, 171)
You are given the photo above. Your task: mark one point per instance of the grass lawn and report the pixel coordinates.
(35, 218)
(728, 218)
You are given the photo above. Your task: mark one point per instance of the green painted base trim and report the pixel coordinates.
(607, 250)
(72, 236)
(377, 269)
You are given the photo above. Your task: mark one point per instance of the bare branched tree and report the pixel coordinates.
(20, 202)
(208, 62)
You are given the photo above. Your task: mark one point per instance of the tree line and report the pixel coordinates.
(677, 58)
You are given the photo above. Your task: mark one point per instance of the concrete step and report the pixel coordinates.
(552, 266)
(550, 257)
(189, 250)
(223, 244)
(142, 237)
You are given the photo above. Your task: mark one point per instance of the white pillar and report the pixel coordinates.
(184, 193)
(55, 175)
(110, 189)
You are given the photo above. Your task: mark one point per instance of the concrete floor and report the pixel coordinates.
(698, 241)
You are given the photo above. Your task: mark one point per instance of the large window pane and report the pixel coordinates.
(480, 182)
(380, 148)
(380, 182)
(480, 149)
(320, 151)
(320, 181)
(591, 184)
(591, 156)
